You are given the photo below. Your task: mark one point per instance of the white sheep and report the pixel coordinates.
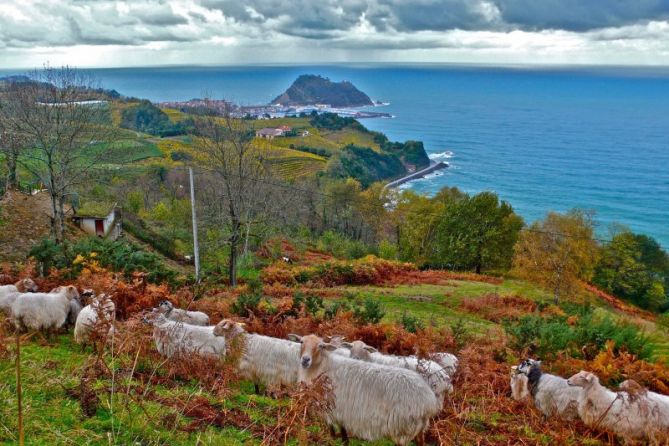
(264, 359)
(43, 311)
(178, 338)
(179, 315)
(436, 375)
(633, 417)
(519, 390)
(100, 312)
(552, 394)
(9, 293)
(632, 387)
(371, 401)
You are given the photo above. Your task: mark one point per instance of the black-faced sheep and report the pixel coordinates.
(552, 394)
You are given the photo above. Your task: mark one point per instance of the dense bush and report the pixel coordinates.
(411, 323)
(636, 268)
(246, 304)
(366, 165)
(117, 255)
(325, 153)
(146, 117)
(341, 247)
(369, 270)
(583, 334)
(370, 311)
(332, 121)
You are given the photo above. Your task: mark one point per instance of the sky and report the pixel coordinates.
(102, 33)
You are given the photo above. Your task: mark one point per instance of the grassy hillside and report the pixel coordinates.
(135, 396)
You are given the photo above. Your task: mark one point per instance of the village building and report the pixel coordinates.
(271, 133)
(98, 218)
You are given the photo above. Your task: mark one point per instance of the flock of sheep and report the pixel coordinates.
(375, 395)
(633, 412)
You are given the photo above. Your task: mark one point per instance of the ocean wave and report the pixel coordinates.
(441, 155)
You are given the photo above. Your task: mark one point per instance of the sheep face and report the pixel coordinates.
(154, 317)
(69, 291)
(165, 307)
(26, 286)
(359, 350)
(229, 328)
(311, 350)
(527, 365)
(519, 388)
(632, 387)
(583, 379)
(337, 340)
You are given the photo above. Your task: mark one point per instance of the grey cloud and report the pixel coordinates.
(432, 15)
(399, 24)
(580, 15)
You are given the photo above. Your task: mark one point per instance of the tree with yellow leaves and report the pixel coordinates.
(558, 251)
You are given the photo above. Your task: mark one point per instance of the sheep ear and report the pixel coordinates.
(347, 345)
(327, 346)
(294, 338)
(370, 349)
(241, 324)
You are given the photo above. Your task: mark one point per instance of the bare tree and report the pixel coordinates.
(10, 147)
(65, 122)
(240, 179)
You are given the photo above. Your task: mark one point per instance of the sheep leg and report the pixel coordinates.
(256, 388)
(333, 432)
(420, 439)
(344, 435)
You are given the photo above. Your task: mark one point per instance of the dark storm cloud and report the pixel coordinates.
(580, 15)
(311, 18)
(393, 23)
(431, 15)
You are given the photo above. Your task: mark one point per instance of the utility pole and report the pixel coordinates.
(196, 250)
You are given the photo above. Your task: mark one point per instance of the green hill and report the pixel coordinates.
(310, 89)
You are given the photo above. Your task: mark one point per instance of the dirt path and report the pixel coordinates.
(24, 221)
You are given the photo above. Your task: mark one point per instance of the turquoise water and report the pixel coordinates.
(544, 139)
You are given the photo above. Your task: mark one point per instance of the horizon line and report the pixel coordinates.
(334, 64)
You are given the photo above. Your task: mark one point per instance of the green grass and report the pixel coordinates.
(52, 417)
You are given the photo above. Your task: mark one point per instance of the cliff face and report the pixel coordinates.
(310, 89)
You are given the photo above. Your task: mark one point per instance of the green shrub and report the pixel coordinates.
(246, 304)
(116, 255)
(335, 308)
(313, 304)
(411, 323)
(369, 312)
(586, 337)
(461, 333)
(387, 250)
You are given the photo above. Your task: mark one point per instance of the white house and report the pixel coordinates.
(98, 219)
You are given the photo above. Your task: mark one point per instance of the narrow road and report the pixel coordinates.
(434, 166)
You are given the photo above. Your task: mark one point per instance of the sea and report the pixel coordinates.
(543, 138)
